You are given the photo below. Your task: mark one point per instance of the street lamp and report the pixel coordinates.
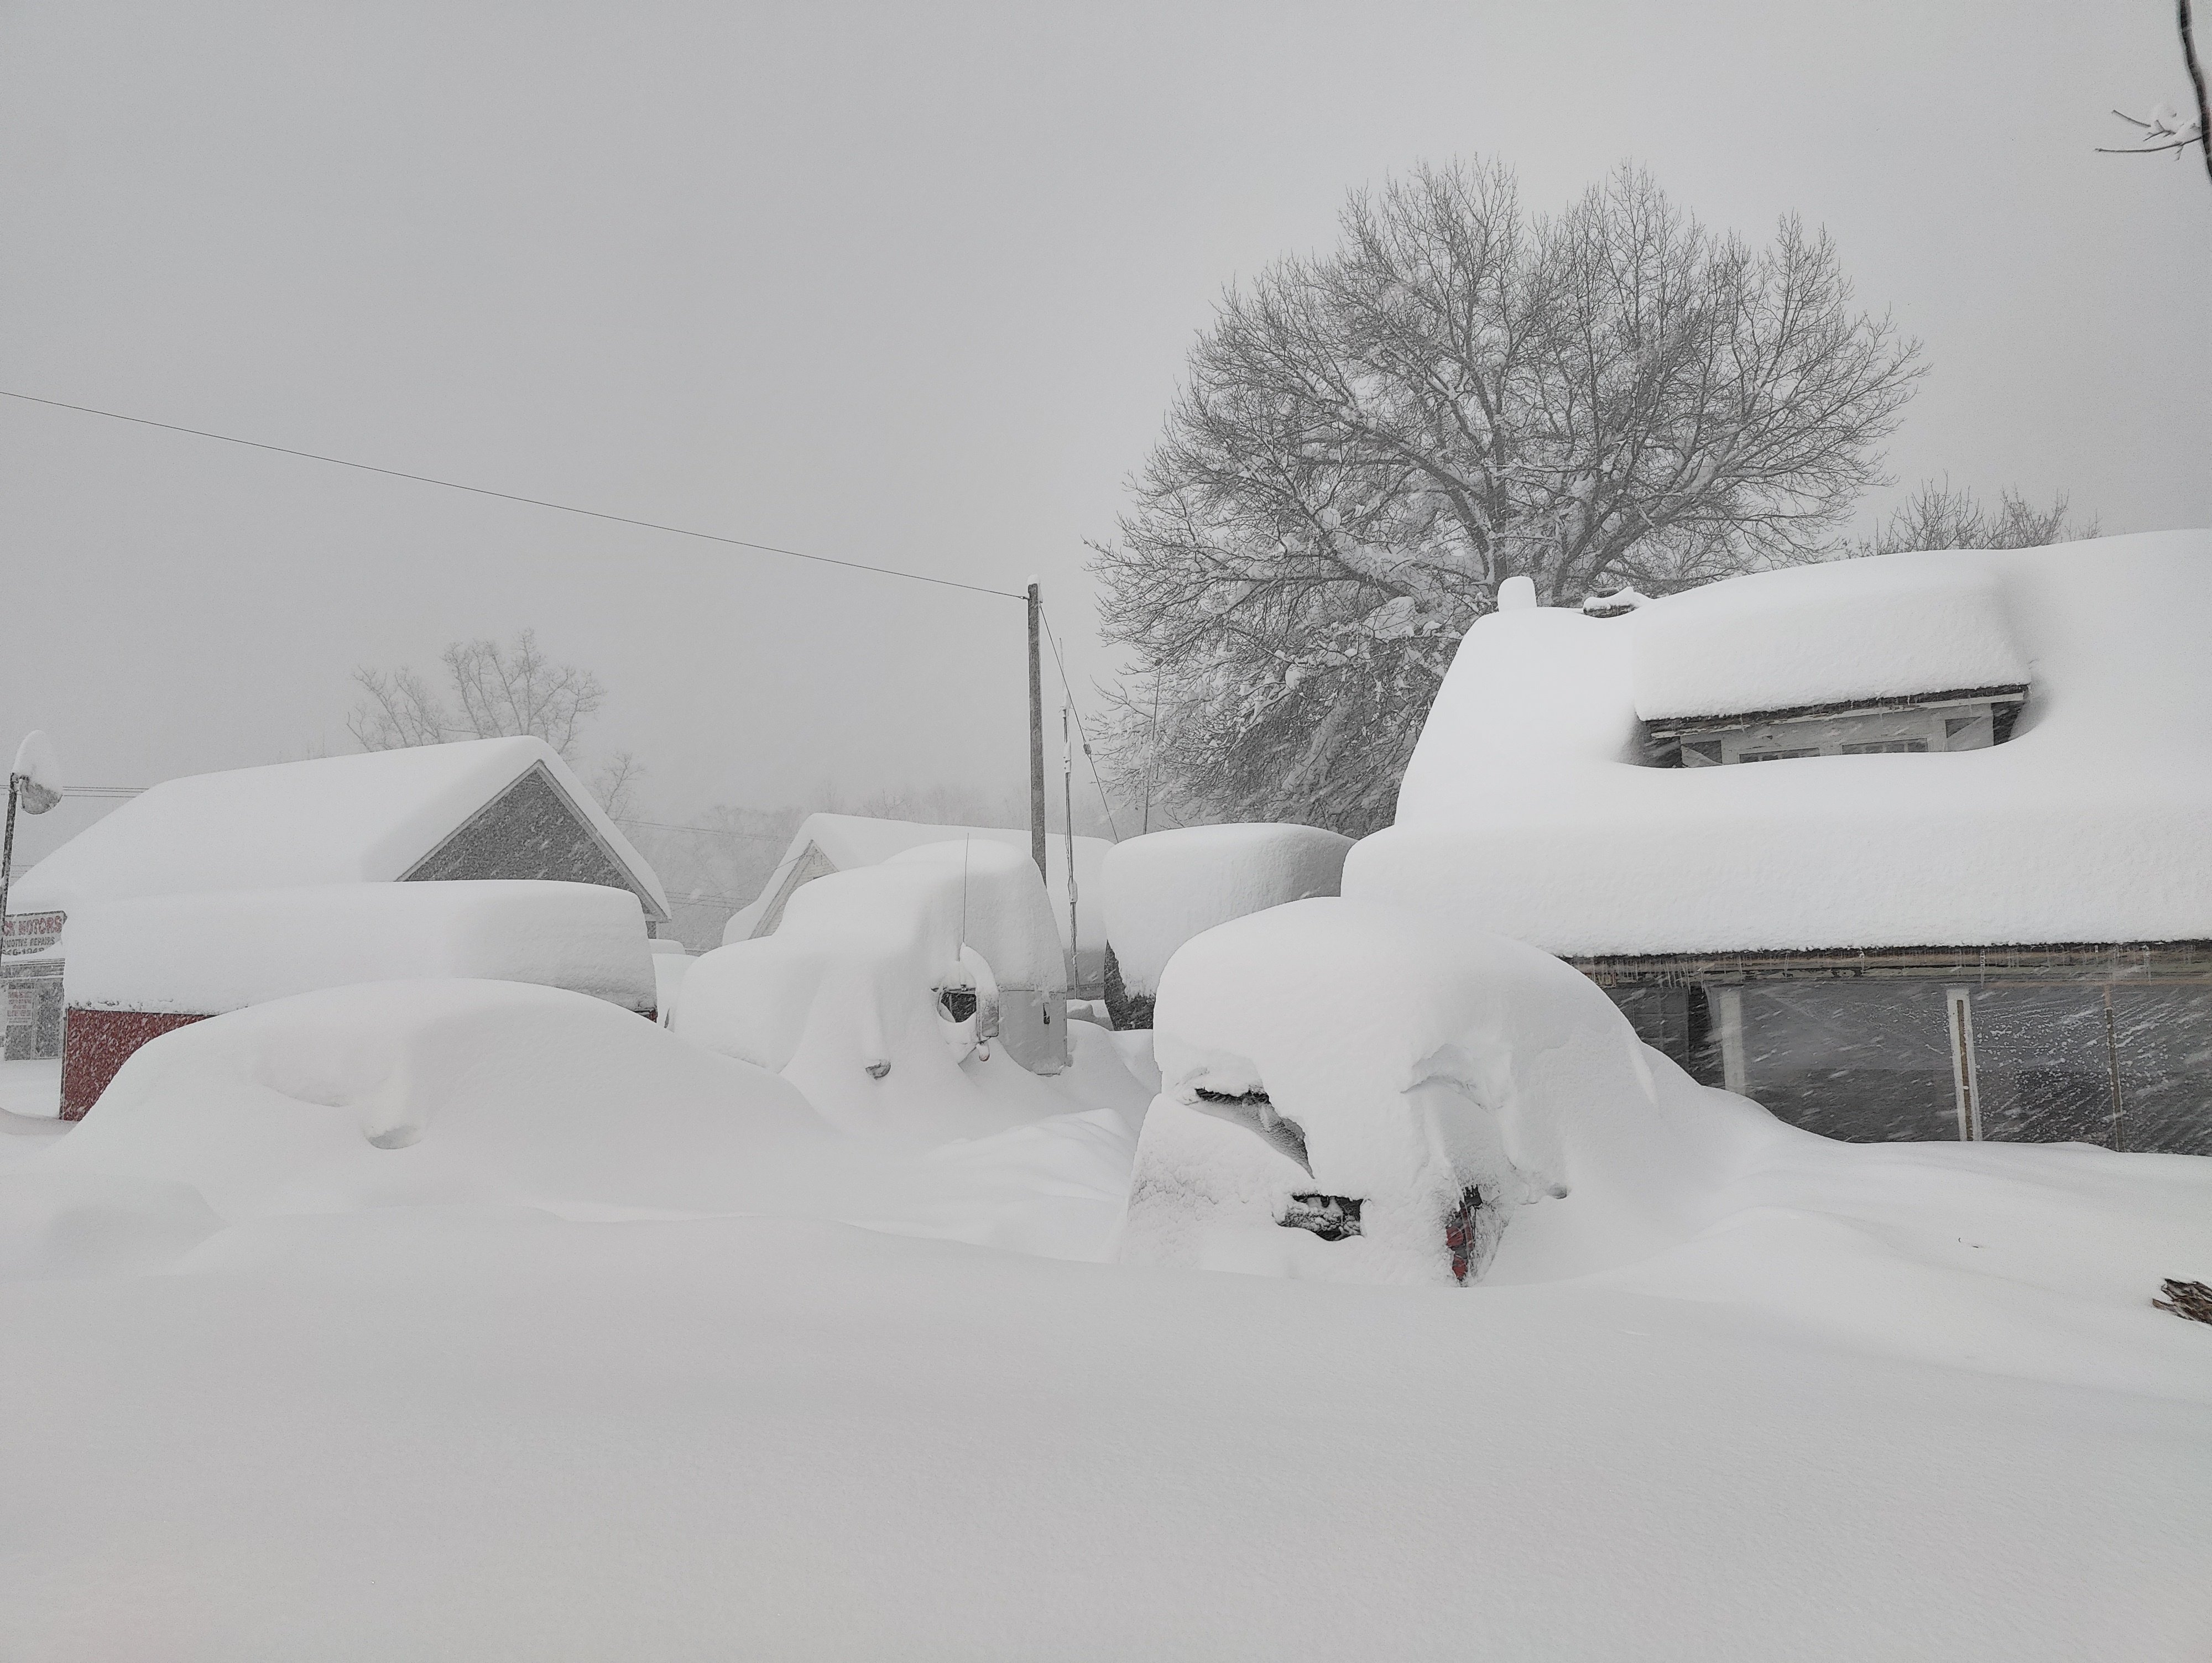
(35, 783)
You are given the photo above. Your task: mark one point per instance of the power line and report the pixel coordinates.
(710, 831)
(511, 496)
(1080, 728)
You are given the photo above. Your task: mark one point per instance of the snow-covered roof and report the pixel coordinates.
(366, 819)
(1823, 635)
(1524, 809)
(847, 841)
(1162, 890)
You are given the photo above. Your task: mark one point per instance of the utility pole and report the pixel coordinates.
(1067, 820)
(1036, 736)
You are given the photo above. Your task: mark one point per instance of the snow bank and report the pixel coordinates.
(839, 842)
(201, 954)
(1524, 812)
(1857, 629)
(1443, 1087)
(843, 999)
(363, 819)
(1162, 890)
(438, 1093)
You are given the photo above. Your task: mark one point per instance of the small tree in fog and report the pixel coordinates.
(498, 692)
(1937, 516)
(495, 692)
(1371, 441)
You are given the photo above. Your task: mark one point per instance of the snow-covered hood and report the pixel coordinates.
(1412, 1061)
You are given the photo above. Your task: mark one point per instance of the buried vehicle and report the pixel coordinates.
(886, 988)
(1356, 1092)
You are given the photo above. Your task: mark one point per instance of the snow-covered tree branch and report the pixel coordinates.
(1367, 444)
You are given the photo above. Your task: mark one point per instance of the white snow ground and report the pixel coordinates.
(1894, 1402)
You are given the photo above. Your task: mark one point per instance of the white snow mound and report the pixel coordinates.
(439, 1092)
(1164, 889)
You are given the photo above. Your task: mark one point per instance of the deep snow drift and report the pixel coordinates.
(439, 1092)
(472, 1321)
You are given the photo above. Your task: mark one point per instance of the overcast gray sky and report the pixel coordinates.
(909, 284)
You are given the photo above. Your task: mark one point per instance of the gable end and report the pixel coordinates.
(530, 830)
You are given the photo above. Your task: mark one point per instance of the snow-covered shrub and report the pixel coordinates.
(1356, 1092)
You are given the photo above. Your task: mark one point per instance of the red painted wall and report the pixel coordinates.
(95, 1043)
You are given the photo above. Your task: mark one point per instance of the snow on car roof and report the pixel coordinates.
(364, 819)
(860, 839)
(1526, 811)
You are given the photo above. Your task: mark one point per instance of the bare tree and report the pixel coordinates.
(1371, 442)
(2169, 130)
(499, 691)
(614, 783)
(1939, 516)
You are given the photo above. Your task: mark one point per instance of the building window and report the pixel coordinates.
(1971, 719)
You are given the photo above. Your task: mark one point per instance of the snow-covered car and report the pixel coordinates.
(882, 983)
(1356, 1092)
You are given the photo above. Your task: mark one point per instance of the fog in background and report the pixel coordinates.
(896, 284)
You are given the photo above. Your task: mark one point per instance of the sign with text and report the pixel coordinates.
(30, 932)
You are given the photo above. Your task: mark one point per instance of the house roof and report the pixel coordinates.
(1816, 635)
(1525, 810)
(367, 819)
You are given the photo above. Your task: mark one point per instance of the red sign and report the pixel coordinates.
(30, 932)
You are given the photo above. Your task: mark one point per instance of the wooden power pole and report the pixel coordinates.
(1036, 738)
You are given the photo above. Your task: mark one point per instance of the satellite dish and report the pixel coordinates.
(37, 776)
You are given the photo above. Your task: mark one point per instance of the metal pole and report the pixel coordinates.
(1037, 739)
(7, 859)
(1068, 820)
(1152, 757)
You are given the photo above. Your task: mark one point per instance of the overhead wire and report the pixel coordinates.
(1104, 803)
(515, 496)
(1083, 732)
(709, 831)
